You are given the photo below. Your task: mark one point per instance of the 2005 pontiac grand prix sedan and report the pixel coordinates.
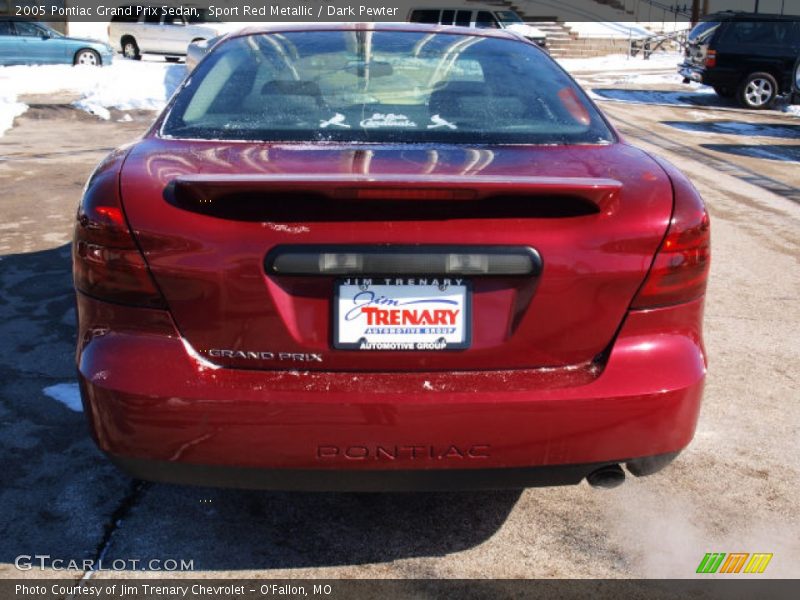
(388, 257)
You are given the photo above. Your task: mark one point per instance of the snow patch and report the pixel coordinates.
(636, 79)
(608, 29)
(623, 62)
(93, 109)
(10, 109)
(123, 85)
(135, 86)
(68, 394)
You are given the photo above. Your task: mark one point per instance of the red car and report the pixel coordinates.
(388, 256)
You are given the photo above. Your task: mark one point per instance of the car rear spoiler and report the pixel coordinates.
(301, 197)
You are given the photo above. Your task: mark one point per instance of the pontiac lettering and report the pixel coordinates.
(403, 452)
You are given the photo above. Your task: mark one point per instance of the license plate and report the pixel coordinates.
(421, 314)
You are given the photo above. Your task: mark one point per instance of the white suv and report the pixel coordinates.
(488, 17)
(161, 33)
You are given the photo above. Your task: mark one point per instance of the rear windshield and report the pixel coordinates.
(382, 86)
(702, 31)
(769, 33)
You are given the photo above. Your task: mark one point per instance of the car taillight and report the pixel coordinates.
(106, 263)
(711, 58)
(680, 270)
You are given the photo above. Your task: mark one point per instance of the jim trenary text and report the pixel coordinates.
(139, 590)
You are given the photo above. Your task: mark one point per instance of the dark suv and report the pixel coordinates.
(744, 55)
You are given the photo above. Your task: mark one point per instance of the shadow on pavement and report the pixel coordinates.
(786, 153)
(687, 98)
(237, 530)
(61, 497)
(56, 492)
(775, 130)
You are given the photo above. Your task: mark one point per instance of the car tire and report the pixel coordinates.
(87, 56)
(724, 92)
(130, 49)
(758, 91)
(172, 59)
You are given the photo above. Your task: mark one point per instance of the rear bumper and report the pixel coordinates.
(163, 414)
(373, 480)
(717, 76)
(691, 73)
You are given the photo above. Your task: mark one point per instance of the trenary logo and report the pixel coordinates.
(735, 562)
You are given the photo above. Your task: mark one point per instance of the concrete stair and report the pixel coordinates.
(564, 43)
(587, 47)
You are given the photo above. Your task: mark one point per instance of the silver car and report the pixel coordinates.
(166, 32)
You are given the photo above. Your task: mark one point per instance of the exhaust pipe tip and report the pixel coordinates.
(607, 477)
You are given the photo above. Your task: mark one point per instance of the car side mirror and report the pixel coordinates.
(45, 35)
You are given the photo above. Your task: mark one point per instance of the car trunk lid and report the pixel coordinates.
(208, 215)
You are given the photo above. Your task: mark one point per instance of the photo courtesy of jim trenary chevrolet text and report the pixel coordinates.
(399, 298)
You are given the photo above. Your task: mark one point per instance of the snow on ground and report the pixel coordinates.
(9, 110)
(67, 394)
(124, 85)
(620, 69)
(607, 29)
(691, 95)
(622, 62)
(147, 85)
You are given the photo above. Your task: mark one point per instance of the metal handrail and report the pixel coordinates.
(648, 45)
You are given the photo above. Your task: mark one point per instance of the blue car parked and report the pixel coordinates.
(30, 43)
